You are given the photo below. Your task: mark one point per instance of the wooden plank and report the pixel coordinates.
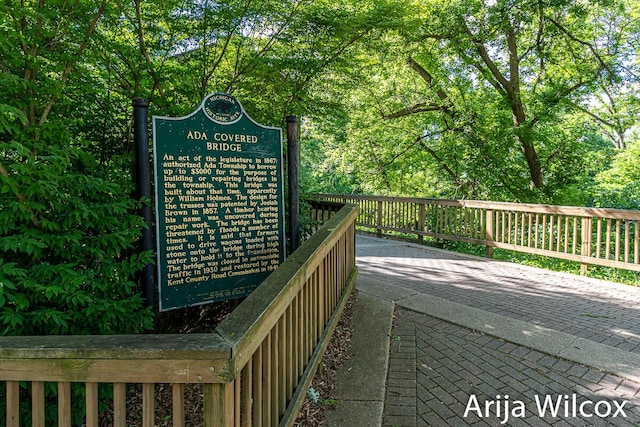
(266, 381)
(566, 234)
(575, 236)
(297, 337)
(80, 350)
(37, 404)
(636, 243)
(257, 402)
(488, 232)
(237, 401)
(608, 240)
(64, 404)
(599, 238)
(246, 397)
(316, 358)
(219, 405)
(537, 230)
(485, 204)
(559, 233)
(274, 379)
(13, 403)
(627, 234)
(617, 240)
(120, 404)
(283, 358)
(177, 399)
(585, 249)
(290, 352)
(108, 371)
(148, 405)
(247, 326)
(421, 221)
(91, 399)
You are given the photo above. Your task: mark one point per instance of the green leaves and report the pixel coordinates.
(68, 235)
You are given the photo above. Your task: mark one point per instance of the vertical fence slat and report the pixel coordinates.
(627, 226)
(91, 399)
(574, 248)
(275, 378)
(177, 398)
(120, 404)
(257, 412)
(37, 404)
(607, 247)
(599, 238)
(218, 405)
(618, 239)
(237, 401)
(266, 381)
(559, 233)
(636, 242)
(64, 404)
(246, 406)
(148, 405)
(566, 234)
(290, 354)
(13, 403)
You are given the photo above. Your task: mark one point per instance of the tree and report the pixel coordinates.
(504, 74)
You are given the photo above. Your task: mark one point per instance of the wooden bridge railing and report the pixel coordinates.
(254, 369)
(590, 236)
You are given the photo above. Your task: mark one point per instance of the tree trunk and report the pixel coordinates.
(525, 138)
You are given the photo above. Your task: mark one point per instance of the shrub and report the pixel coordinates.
(68, 233)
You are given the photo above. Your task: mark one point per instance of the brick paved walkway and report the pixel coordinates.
(600, 311)
(438, 370)
(435, 367)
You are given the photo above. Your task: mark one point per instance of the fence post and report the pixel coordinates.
(218, 405)
(379, 218)
(488, 233)
(585, 247)
(421, 222)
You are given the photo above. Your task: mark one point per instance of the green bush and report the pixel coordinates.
(68, 234)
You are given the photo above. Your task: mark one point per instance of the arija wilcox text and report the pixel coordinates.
(551, 406)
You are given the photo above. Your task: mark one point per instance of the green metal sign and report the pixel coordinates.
(219, 203)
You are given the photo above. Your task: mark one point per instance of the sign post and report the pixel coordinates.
(219, 203)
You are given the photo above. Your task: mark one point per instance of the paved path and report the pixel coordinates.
(483, 342)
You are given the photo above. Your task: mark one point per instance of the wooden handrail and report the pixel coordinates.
(279, 332)
(589, 236)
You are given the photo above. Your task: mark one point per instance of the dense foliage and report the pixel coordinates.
(495, 99)
(503, 100)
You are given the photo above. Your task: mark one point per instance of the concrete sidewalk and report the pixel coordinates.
(469, 330)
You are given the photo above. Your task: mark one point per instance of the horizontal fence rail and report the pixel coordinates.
(253, 370)
(590, 236)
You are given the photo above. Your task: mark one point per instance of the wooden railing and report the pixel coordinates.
(590, 236)
(254, 369)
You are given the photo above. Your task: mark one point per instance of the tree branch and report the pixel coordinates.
(420, 140)
(422, 107)
(584, 43)
(70, 64)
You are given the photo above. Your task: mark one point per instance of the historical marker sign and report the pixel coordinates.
(219, 203)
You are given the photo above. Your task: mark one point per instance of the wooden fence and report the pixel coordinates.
(590, 236)
(254, 369)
